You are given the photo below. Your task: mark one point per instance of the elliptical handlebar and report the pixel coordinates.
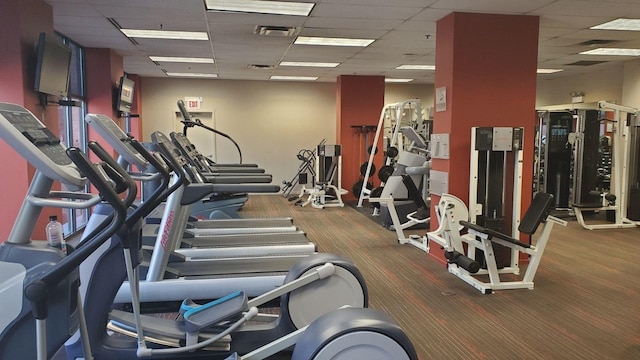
(39, 287)
(162, 168)
(126, 180)
(161, 192)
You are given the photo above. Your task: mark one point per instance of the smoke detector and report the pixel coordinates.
(281, 31)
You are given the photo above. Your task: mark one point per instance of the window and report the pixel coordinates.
(73, 129)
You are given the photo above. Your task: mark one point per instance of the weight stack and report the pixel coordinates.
(502, 253)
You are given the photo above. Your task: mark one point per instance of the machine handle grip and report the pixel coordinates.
(38, 288)
(161, 192)
(104, 156)
(149, 157)
(185, 114)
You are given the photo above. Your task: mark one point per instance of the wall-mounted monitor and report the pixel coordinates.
(52, 67)
(124, 95)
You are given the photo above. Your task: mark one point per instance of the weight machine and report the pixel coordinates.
(616, 199)
(553, 153)
(400, 190)
(306, 170)
(452, 216)
(392, 118)
(327, 188)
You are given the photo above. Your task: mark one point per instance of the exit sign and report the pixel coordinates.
(193, 102)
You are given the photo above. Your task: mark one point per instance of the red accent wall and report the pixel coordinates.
(21, 21)
(359, 100)
(101, 86)
(487, 63)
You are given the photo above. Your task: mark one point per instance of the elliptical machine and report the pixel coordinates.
(38, 282)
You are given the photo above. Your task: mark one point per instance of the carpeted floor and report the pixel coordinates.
(586, 302)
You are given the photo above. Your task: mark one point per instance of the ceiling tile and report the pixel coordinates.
(400, 28)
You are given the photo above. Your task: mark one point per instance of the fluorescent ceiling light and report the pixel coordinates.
(548, 71)
(165, 34)
(181, 59)
(261, 7)
(312, 40)
(309, 64)
(612, 51)
(202, 75)
(416, 67)
(619, 24)
(300, 78)
(393, 80)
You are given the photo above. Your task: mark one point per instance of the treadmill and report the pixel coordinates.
(183, 274)
(218, 245)
(198, 161)
(206, 228)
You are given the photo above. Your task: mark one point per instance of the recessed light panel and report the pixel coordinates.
(192, 75)
(416, 67)
(311, 40)
(619, 24)
(261, 7)
(394, 80)
(309, 64)
(181, 59)
(548, 71)
(297, 78)
(612, 51)
(165, 34)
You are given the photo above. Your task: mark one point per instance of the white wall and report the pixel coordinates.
(631, 85)
(600, 85)
(271, 121)
(394, 93)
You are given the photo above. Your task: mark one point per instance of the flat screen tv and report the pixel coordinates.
(52, 67)
(125, 95)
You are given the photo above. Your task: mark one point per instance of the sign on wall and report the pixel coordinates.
(441, 99)
(193, 102)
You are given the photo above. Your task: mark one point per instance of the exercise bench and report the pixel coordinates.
(467, 267)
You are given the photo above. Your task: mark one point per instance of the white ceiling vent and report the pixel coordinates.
(270, 30)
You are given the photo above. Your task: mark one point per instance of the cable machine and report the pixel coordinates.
(392, 118)
(553, 156)
(615, 198)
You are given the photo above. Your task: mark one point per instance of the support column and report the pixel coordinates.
(487, 64)
(359, 102)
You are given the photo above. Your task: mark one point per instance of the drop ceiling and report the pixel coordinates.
(404, 33)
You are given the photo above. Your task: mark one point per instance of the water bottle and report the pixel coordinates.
(55, 236)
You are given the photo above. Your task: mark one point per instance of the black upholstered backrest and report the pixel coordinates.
(536, 213)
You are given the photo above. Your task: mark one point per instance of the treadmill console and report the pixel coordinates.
(189, 151)
(38, 135)
(118, 139)
(192, 172)
(37, 144)
(160, 138)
